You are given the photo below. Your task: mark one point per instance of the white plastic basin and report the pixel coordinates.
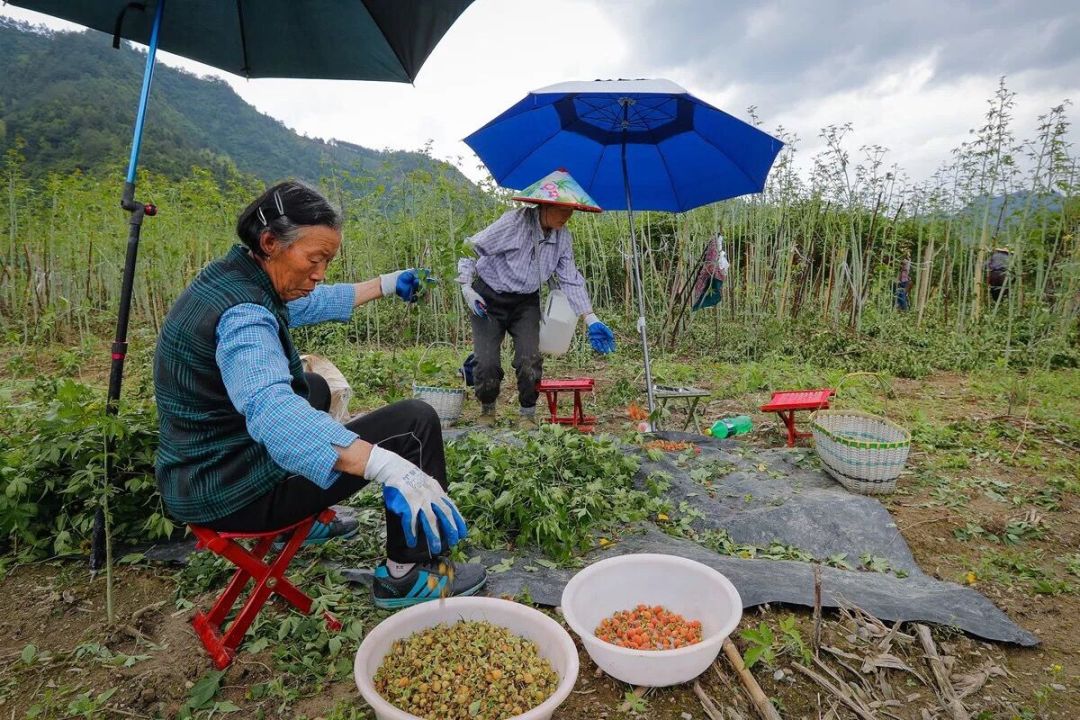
(695, 591)
(554, 643)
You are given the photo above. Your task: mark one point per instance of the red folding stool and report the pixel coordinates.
(552, 388)
(269, 579)
(786, 403)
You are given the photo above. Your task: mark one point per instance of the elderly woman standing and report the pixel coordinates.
(516, 254)
(243, 449)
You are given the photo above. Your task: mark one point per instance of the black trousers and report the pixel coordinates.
(520, 316)
(409, 428)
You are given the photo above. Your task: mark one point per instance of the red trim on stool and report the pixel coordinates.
(579, 420)
(785, 402)
(268, 576)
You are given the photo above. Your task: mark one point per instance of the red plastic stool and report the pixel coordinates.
(786, 402)
(269, 579)
(551, 390)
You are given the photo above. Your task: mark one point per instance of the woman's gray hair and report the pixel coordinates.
(285, 210)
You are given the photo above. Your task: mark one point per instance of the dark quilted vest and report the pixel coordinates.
(207, 464)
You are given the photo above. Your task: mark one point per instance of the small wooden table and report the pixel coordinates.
(551, 390)
(691, 395)
(786, 403)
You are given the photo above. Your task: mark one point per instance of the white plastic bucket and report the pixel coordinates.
(554, 643)
(694, 590)
(557, 324)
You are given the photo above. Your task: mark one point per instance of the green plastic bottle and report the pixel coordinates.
(727, 427)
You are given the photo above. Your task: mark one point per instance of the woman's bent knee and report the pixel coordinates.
(420, 410)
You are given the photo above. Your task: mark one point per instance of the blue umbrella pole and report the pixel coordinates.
(637, 277)
(119, 347)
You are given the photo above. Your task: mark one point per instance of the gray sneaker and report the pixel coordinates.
(439, 577)
(527, 418)
(488, 416)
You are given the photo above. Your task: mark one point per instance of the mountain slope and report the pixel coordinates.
(72, 98)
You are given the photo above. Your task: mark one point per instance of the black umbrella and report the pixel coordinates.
(332, 39)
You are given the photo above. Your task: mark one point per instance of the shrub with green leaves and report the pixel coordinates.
(52, 465)
(553, 488)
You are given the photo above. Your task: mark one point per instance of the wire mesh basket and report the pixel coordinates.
(448, 402)
(865, 453)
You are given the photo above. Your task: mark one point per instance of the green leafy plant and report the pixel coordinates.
(1072, 563)
(634, 702)
(762, 645)
(792, 638)
(553, 489)
(89, 704)
(201, 698)
(52, 469)
(876, 563)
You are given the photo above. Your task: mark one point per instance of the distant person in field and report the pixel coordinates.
(997, 272)
(246, 442)
(516, 254)
(903, 285)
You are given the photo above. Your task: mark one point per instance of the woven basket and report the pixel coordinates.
(865, 453)
(448, 402)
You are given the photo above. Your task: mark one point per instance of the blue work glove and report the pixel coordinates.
(473, 301)
(417, 499)
(600, 336)
(404, 283)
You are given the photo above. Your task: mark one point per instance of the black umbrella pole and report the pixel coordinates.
(119, 353)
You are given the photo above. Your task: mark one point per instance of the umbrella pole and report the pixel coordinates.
(637, 282)
(99, 545)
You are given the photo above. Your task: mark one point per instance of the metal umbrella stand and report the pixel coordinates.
(639, 286)
(632, 145)
(385, 40)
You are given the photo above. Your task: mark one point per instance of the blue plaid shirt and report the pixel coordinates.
(256, 374)
(507, 260)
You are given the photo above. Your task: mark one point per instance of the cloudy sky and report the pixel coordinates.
(913, 76)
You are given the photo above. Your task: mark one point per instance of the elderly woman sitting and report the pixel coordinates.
(243, 449)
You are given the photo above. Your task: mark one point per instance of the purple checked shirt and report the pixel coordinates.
(505, 258)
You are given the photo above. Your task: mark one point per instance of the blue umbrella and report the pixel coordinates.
(633, 145)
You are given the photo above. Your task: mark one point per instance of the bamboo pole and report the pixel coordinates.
(758, 697)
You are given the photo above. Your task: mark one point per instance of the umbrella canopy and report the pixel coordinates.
(354, 40)
(680, 152)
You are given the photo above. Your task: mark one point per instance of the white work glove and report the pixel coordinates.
(416, 498)
(473, 301)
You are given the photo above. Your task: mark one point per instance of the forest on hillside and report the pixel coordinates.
(67, 101)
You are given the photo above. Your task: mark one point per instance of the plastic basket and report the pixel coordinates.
(865, 453)
(448, 402)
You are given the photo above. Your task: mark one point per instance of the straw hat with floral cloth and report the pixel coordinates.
(558, 188)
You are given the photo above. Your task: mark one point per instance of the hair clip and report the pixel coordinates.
(278, 205)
